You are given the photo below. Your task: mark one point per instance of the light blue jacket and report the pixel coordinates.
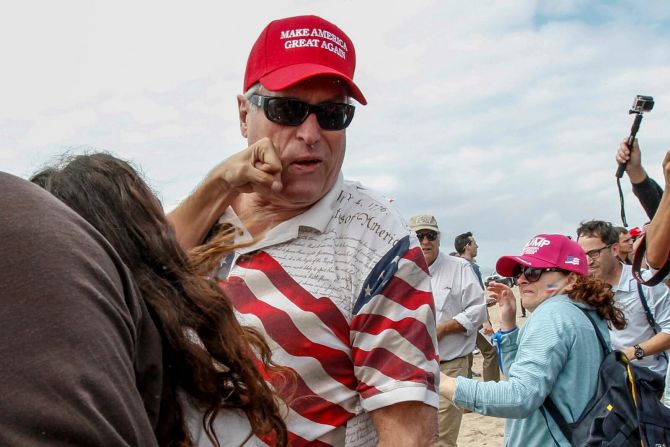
(556, 353)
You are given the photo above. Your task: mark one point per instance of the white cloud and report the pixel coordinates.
(159, 133)
(381, 182)
(141, 109)
(57, 128)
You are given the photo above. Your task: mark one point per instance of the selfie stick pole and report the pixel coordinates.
(631, 139)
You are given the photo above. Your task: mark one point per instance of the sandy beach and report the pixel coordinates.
(478, 430)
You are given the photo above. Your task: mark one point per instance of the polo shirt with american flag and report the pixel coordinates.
(342, 295)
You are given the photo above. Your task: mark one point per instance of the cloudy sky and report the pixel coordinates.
(497, 117)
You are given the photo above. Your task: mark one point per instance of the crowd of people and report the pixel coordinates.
(281, 304)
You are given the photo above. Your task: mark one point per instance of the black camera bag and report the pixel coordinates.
(625, 410)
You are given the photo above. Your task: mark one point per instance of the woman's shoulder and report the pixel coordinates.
(569, 316)
(558, 311)
(557, 303)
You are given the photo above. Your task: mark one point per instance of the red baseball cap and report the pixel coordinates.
(291, 50)
(547, 251)
(635, 231)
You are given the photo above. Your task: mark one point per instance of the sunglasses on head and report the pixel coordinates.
(431, 235)
(293, 112)
(532, 274)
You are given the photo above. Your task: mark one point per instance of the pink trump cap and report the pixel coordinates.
(546, 251)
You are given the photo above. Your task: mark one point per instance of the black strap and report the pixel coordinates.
(550, 406)
(650, 316)
(659, 276)
(546, 421)
(549, 403)
(623, 209)
(647, 311)
(603, 344)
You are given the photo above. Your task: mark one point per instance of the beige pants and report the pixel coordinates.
(490, 355)
(449, 416)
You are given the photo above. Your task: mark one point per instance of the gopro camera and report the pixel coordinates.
(642, 104)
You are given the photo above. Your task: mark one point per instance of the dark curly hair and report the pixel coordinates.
(218, 370)
(600, 229)
(599, 295)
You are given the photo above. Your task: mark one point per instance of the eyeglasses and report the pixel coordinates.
(431, 235)
(595, 254)
(532, 274)
(293, 112)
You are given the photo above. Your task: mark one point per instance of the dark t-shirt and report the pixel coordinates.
(81, 357)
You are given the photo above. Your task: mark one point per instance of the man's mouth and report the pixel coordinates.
(307, 162)
(306, 165)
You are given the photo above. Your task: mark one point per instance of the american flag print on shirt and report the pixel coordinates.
(337, 360)
(351, 314)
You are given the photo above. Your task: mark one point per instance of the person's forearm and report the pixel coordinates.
(656, 344)
(194, 217)
(636, 174)
(649, 193)
(447, 386)
(507, 318)
(449, 327)
(396, 429)
(658, 234)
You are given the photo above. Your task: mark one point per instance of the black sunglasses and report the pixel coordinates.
(293, 112)
(532, 274)
(431, 235)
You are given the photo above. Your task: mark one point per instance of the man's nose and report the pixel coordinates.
(309, 130)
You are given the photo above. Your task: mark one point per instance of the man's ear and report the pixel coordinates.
(243, 111)
(615, 248)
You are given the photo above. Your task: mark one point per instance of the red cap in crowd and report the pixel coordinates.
(291, 50)
(547, 251)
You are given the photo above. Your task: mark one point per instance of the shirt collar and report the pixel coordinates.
(316, 217)
(626, 279)
(439, 259)
(319, 214)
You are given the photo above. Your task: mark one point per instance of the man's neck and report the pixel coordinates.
(259, 215)
(622, 257)
(615, 277)
(468, 256)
